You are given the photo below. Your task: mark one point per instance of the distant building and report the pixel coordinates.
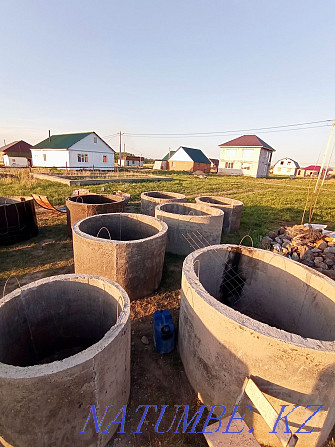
(131, 161)
(214, 164)
(286, 166)
(311, 171)
(16, 154)
(188, 159)
(246, 155)
(74, 151)
(162, 163)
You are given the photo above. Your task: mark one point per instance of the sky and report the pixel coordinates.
(169, 67)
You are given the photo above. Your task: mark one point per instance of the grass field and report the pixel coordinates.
(268, 204)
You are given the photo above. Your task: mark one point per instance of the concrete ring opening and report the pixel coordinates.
(246, 311)
(190, 226)
(17, 219)
(64, 345)
(127, 248)
(79, 207)
(232, 210)
(150, 199)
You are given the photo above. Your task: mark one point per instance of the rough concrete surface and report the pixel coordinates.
(232, 210)
(190, 226)
(150, 199)
(278, 326)
(79, 207)
(130, 249)
(64, 345)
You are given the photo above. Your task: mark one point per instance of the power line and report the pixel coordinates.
(219, 133)
(226, 133)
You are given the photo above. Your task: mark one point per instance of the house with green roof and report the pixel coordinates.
(188, 159)
(73, 151)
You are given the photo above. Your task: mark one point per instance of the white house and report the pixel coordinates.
(131, 161)
(74, 151)
(246, 155)
(286, 166)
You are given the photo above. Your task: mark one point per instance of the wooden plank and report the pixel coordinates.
(269, 414)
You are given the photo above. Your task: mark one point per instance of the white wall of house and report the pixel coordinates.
(285, 166)
(49, 158)
(86, 153)
(131, 162)
(15, 162)
(253, 162)
(98, 154)
(158, 164)
(180, 155)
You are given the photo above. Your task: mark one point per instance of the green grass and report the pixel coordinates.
(268, 204)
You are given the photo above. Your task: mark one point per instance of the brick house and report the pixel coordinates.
(188, 159)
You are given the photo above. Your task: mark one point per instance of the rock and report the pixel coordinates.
(287, 245)
(318, 259)
(281, 230)
(277, 247)
(309, 263)
(329, 262)
(286, 241)
(308, 255)
(277, 239)
(321, 244)
(295, 256)
(266, 242)
(323, 266)
(272, 234)
(329, 250)
(145, 340)
(316, 250)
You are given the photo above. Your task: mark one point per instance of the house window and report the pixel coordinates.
(44, 157)
(173, 164)
(104, 158)
(299, 172)
(229, 165)
(231, 153)
(281, 162)
(95, 139)
(198, 166)
(248, 154)
(82, 158)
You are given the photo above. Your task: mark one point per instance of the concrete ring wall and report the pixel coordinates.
(190, 226)
(64, 345)
(232, 210)
(130, 250)
(280, 331)
(17, 219)
(79, 207)
(150, 199)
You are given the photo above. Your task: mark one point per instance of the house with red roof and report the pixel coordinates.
(16, 154)
(311, 171)
(245, 155)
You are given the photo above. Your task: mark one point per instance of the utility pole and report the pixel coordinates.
(120, 150)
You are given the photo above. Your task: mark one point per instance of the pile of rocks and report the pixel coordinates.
(304, 244)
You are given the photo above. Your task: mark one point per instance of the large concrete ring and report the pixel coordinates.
(64, 346)
(232, 210)
(127, 248)
(278, 327)
(150, 199)
(79, 207)
(17, 219)
(191, 226)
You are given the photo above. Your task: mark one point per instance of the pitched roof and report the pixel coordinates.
(61, 141)
(168, 155)
(313, 168)
(287, 158)
(247, 141)
(17, 149)
(195, 154)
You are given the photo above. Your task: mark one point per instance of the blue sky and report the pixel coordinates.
(167, 66)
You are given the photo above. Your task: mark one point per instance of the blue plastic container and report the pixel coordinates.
(164, 332)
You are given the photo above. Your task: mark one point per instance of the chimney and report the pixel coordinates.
(49, 136)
